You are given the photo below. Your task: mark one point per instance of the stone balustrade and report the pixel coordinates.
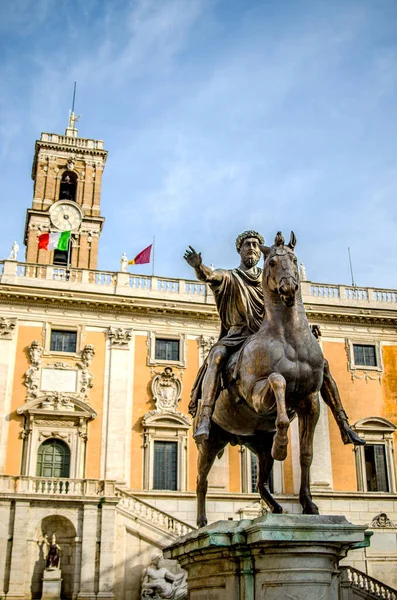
(367, 587)
(138, 509)
(128, 284)
(67, 140)
(54, 486)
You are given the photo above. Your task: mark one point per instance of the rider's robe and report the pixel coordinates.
(240, 304)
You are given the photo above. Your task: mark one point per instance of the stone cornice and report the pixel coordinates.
(146, 306)
(19, 295)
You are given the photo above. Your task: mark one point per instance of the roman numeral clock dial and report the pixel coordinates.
(65, 216)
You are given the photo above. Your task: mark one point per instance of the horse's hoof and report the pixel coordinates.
(277, 509)
(311, 509)
(201, 523)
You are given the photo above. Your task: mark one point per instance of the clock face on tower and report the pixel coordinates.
(65, 216)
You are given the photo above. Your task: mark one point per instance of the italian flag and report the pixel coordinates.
(54, 241)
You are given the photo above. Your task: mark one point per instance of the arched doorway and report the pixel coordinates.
(65, 533)
(53, 459)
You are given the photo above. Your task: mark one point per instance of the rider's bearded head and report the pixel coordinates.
(247, 245)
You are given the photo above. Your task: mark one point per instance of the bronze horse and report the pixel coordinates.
(276, 375)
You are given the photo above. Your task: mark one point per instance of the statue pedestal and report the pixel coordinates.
(52, 582)
(274, 557)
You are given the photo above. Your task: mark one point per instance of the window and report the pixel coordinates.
(375, 468)
(61, 257)
(364, 355)
(374, 461)
(67, 190)
(167, 349)
(254, 475)
(165, 466)
(63, 341)
(53, 459)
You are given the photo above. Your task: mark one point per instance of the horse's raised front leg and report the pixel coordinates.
(264, 391)
(261, 446)
(308, 413)
(207, 452)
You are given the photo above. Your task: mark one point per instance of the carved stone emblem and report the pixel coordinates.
(119, 337)
(382, 521)
(7, 328)
(166, 389)
(86, 377)
(206, 343)
(32, 375)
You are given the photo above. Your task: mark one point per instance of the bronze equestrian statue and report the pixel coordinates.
(250, 396)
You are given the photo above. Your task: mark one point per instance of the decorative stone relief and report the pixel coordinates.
(45, 381)
(119, 338)
(7, 328)
(32, 375)
(382, 521)
(206, 343)
(166, 390)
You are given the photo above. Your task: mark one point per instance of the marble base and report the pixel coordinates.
(52, 583)
(273, 557)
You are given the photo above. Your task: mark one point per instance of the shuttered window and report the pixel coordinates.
(254, 475)
(165, 466)
(376, 468)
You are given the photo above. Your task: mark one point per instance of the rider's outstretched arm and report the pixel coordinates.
(203, 273)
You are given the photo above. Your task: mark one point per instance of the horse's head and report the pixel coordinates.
(280, 270)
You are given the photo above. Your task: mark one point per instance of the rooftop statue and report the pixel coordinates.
(266, 368)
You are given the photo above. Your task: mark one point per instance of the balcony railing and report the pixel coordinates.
(56, 486)
(366, 586)
(67, 140)
(128, 284)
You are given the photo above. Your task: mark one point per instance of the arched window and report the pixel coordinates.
(68, 187)
(374, 461)
(53, 459)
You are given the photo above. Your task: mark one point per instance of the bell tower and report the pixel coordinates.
(67, 174)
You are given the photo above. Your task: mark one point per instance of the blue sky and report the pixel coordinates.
(219, 116)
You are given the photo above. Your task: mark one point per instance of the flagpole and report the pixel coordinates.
(68, 259)
(154, 240)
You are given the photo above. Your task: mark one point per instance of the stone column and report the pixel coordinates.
(88, 553)
(321, 469)
(7, 363)
(117, 465)
(19, 551)
(5, 506)
(107, 557)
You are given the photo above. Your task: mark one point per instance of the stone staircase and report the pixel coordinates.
(149, 516)
(355, 585)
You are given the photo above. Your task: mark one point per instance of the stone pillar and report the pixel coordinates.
(5, 506)
(88, 553)
(7, 363)
(19, 551)
(119, 406)
(321, 469)
(272, 557)
(107, 557)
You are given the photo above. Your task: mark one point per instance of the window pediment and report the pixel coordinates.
(58, 403)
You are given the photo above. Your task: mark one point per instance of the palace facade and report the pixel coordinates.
(96, 371)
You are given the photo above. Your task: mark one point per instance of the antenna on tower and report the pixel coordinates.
(71, 130)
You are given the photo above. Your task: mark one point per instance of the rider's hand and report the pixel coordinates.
(192, 257)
